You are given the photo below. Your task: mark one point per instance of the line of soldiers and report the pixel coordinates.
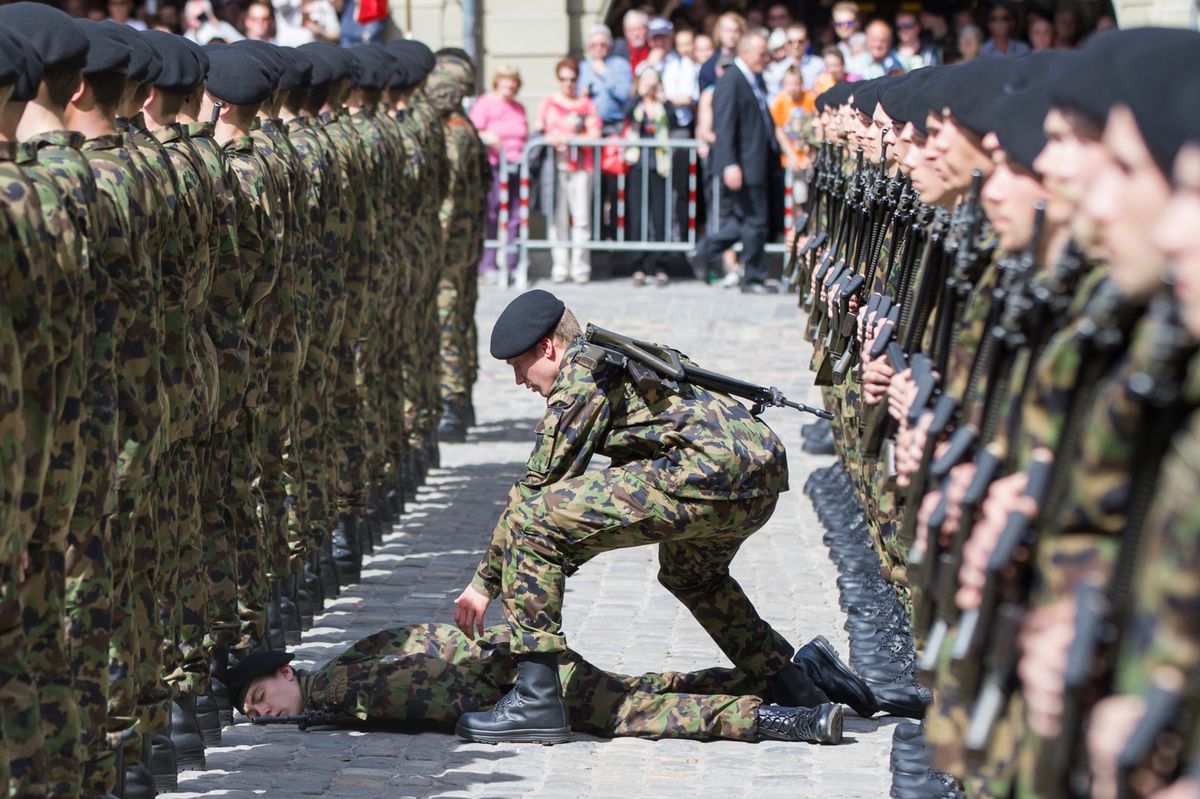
(1001, 278)
(236, 286)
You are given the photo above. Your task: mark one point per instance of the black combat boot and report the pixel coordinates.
(162, 761)
(532, 712)
(433, 454)
(452, 427)
(138, 781)
(823, 666)
(186, 734)
(219, 685)
(818, 725)
(275, 635)
(466, 410)
(208, 718)
(118, 791)
(330, 579)
(792, 687)
(312, 582)
(347, 551)
(298, 588)
(290, 611)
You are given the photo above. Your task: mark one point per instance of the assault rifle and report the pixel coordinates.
(636, 355)
(1101, 622)
(309, 719)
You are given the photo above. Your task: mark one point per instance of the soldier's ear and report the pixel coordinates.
(287, 673)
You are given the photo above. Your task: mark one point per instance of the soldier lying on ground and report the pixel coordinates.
(430, 674)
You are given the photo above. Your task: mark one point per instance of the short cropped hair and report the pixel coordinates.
(568, 328)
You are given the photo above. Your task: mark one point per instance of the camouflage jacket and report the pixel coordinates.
(223, 318)
(465, 194)
(26, 272)
(133, 302)
(684, 440)
(259, 256)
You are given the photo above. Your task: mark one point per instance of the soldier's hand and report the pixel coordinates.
(1046, 636)
(877, 376)
(901, 392)
(469, 609)
(1004, 497)
(1113, 721)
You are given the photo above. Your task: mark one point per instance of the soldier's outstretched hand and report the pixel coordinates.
(469, 609)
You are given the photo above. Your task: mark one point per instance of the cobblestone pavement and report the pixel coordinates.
(616, 613)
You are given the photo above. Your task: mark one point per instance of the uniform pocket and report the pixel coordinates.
(546, 438)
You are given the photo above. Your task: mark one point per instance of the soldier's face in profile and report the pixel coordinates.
(1072, 157)
(961, 154)
(1125, 202)
(276, 694)
(537, 368)
(1009, 197)
(1178, 235)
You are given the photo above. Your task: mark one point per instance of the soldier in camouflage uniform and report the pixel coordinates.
(430, 674)
(77, 496)
(29, 329)
(467, 186)
(243, 84)
(692, 471)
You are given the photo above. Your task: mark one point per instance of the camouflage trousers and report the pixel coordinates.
(313, 432)
(453, 298)
(22, 755)
(554, 533)
(347, 427)
(432, 673)
(214, 458)
(244, 501)
(183, 590)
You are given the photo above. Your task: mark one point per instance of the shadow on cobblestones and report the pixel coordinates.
(514, 430)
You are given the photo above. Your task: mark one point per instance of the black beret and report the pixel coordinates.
(835, 95)
(181, 71)
(333, 56)
(320, 72)
(57, 40)
(299, 72)
(145, 64)
(969, 89)
(1100, 77)
(266, 53)
(527, 319)
(376, 66)
(416, 56)
(257, 664)
(866, 94)
(237, 77)
(23, 68)
(198, 51)
(897, 97)
(107, 52)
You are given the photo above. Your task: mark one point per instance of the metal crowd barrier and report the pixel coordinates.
(672, 243)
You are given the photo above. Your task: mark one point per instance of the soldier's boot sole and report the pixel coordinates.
(547, 736)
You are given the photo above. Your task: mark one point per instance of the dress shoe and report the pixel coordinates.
(822, 664)
(186, 734)
(700, 263)
(452, 427)
(532, 712)
(162, 762)
(758, 288)
(819, 725)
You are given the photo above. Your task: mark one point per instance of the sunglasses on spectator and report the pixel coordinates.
(845, 23)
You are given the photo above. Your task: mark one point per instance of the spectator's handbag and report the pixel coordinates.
(612, 156)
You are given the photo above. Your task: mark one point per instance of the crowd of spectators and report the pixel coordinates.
(284, 22)
(656, 80)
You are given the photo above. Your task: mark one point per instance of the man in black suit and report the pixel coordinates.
(745, 155)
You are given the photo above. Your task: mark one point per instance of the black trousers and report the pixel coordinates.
(747, 222)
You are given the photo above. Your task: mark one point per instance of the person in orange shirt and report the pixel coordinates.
(787, 111)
